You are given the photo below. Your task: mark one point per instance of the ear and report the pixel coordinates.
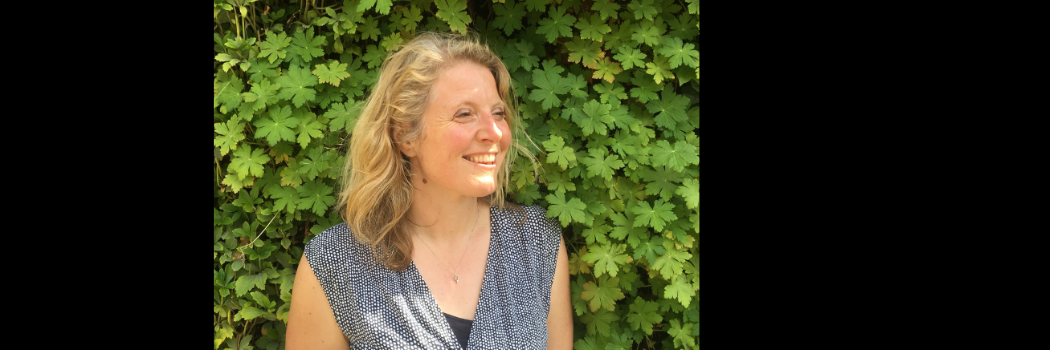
(406, 147)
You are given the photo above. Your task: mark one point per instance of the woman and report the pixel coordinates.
(431, 255)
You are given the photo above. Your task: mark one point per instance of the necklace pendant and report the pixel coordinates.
(457, 278)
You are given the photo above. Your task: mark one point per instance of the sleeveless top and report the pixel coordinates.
(378, 308)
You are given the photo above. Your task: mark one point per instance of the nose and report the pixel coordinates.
(489, 131)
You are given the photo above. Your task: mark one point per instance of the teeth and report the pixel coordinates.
(484, 158)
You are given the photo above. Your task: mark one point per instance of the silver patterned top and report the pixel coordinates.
(378, 308)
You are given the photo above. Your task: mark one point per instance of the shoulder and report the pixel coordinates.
(530, 220)
(533, 215)
(335, 245)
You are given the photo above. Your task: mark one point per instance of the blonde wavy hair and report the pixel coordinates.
(376, 189)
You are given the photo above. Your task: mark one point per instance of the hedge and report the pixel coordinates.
(608, 90)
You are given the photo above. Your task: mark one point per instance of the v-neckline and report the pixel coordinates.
(440, 316)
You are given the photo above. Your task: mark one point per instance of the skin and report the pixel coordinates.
(465, 118)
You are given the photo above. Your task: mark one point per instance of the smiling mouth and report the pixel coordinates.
(489, 159)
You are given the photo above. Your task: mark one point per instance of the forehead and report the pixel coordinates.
(465, 83)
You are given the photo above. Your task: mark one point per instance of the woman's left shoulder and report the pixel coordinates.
(532, 219)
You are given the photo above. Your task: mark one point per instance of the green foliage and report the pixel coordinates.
(608, 89)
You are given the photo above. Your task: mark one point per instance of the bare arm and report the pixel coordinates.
(559, 320)
(311, 323)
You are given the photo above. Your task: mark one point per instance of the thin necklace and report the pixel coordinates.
(455, 274)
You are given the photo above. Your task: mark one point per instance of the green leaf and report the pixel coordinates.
(369, 29)
(263, 94)
(328, 94)
(452, 11)
(261, 299)
(316, 196)
(261, 70)
(235, 182)
(391, 42)
(230, 133)
(659, 69)
(537, 5)
(584, 52)
(670, 264)
(606, 8)
(655, 216)
(643, 315)
(610, 90)
(620, 34)
(669, 110)
(277, 126)
(644, 87)
(607, 70)
(586, 343)
(306, 46)
(374, 56)
(596, 234)
(598, 322)
(557, 25)
(595, 118)
(630, 57)
(603, 295)
(296, 85)
(247, 282)
(600, 165)
(549, 84)
(509, 16)
(694, 6)
(229, 94)
(681, 334)
(565, 211)
(577, 85)
(679, 53)
(273, 46)
(593, 29)
(412, 17)
(290, 175)
(558, 152)
(642, 8)
(622, 119)
(316, 163)
(661, 180)
(560, 182)
(332, 74)
(308, 128)
(249, 312)
(343, 115)
(381, 6)
(606, 258)
(650, 249)
(676, 158)
(624, 229)
(246, 162)
(680, 289)
(690, 191)
(646, 33)
(287, 198)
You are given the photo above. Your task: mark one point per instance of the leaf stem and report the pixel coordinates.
(260, 233)
(219, 174)
(235, 24)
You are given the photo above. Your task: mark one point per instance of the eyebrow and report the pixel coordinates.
(461, 102)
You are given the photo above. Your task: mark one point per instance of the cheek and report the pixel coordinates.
(505, 140)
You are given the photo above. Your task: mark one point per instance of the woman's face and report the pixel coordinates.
(466, 136)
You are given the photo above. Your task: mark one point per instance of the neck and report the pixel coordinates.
(444, 220)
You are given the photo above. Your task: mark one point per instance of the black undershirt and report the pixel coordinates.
(460, 327)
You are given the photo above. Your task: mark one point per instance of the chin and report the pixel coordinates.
(484, 188)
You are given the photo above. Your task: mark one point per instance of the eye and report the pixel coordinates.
(462, 113)
(500, 114)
